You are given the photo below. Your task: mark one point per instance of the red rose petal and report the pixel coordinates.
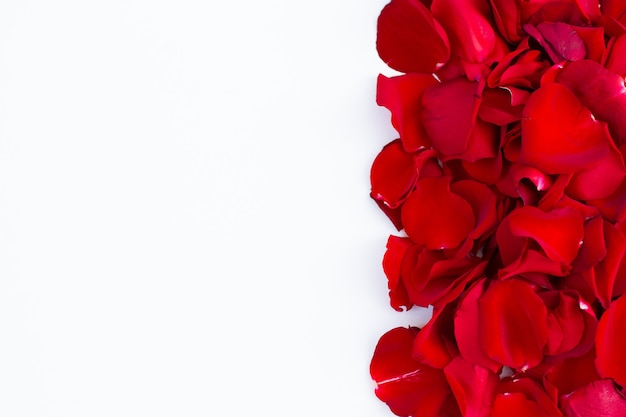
(449, 113)
(603, 93)
(514, 323)
(393, 174)
(468, 329)
(516, 405)
(392, 261)
(410, 39)
(402, 95)
(473, 386)
(616, 59)
(409, 387)
(611, 343)
(435, 344)
(559, 135)
(470, 28)
(573, 373)
(434, 216)
(559, 232)
(597, 399)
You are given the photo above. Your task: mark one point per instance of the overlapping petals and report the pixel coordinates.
(507, 183)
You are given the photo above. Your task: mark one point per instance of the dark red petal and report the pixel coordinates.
(409, 387)
(402, 95)
(559, 135)
(435, 217)
(410, 39)
(514, 324)
(598, 399)
(473, 386)
(468, 329)
(393, 174)
(603, 93)
(611, 343)
(449, 113)
(594, 42)
(392, 261)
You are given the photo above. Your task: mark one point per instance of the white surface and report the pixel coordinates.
(184, 221)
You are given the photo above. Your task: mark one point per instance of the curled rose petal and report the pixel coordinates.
(393, 174)
(402, 95)
(392, 261)
(559, 135)
(435, 217)
(435, 344)
(560, 41)
(410, 39)
(409, 387)
(616, 59)
(611, 344)
(523, 397)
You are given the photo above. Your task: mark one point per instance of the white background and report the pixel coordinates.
(185, 228)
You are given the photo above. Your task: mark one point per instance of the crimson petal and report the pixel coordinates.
(611, 343)
(559, 135)
(410, 39)
(597, 399)
(434, 216)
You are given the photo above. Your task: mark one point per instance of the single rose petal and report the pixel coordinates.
(409, 387)
(597, 399)
(600, 180)
(593, 37)
(573, 373)
(402, 95)
(473, 386)
(521, 396)
(603, 93)
(606, 271)
(560, 41)
(393, 174)
(435, 344)
(469, 26)
(593, 249)
(392, 261)
(559, 135)
(449, 113)
(616, 59)
(496, 107)
(515, 324)
(410, 39)
(559, 232)
(468, 329)
(435, 217)
(507, 18)
(611, 343)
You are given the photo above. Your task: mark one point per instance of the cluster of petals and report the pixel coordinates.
(507, 185)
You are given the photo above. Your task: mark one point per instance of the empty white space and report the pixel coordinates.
(185, 228)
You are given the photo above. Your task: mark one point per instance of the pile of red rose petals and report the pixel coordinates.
(509, 184)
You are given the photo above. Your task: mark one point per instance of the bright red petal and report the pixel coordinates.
(393, 174)
(402, 95)
(559, 135)
(611, 343)
(514, 323)
(435, 217)
(598, 399)
(410, 39)
(409, 387)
